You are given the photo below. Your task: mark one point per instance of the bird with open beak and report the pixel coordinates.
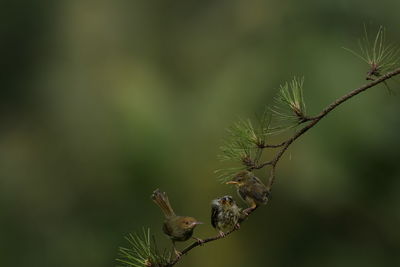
(250, 189)
(178, 228)
(225, 214)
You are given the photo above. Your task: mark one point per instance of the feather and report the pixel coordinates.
(161, 199)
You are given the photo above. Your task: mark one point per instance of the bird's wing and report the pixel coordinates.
(243, 192)
(214, 215)
(258, 191)
(167, 229)
(256, 180)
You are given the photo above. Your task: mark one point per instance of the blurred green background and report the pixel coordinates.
(104, 101)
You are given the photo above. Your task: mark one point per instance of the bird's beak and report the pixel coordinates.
(232, 182)
(196, 223)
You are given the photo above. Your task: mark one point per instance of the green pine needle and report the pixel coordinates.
(142, 252)
(289, 108)
(244, 144)
(225, 175)
(380, 57)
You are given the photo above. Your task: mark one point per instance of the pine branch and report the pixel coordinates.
(247, 142)
(312, 121)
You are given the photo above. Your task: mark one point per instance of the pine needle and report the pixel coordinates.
(380, 57)
(142, 251)
(289, 109)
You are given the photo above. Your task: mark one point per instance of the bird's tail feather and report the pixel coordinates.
(161, 199)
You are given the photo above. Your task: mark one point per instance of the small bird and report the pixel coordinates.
(250, 189)
(225, 214)
(178, 228)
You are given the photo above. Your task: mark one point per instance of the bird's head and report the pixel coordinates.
(241, 179)
(226, 201)
(189, 223)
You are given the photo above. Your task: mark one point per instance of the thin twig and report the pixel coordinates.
(272, 146)
(316, 119)
(312, 121)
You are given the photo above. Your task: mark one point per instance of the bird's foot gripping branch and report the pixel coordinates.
(245, 145)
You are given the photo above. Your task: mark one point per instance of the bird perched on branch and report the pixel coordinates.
(250, 189)
(225, 214)
(178, 228)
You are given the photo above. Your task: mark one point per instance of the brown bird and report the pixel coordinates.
(225, 214)
(250, 189)
(178, 228)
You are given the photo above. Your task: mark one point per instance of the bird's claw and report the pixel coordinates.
(237, 226)
(178, 253)
(221, 234)
(249, 210)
